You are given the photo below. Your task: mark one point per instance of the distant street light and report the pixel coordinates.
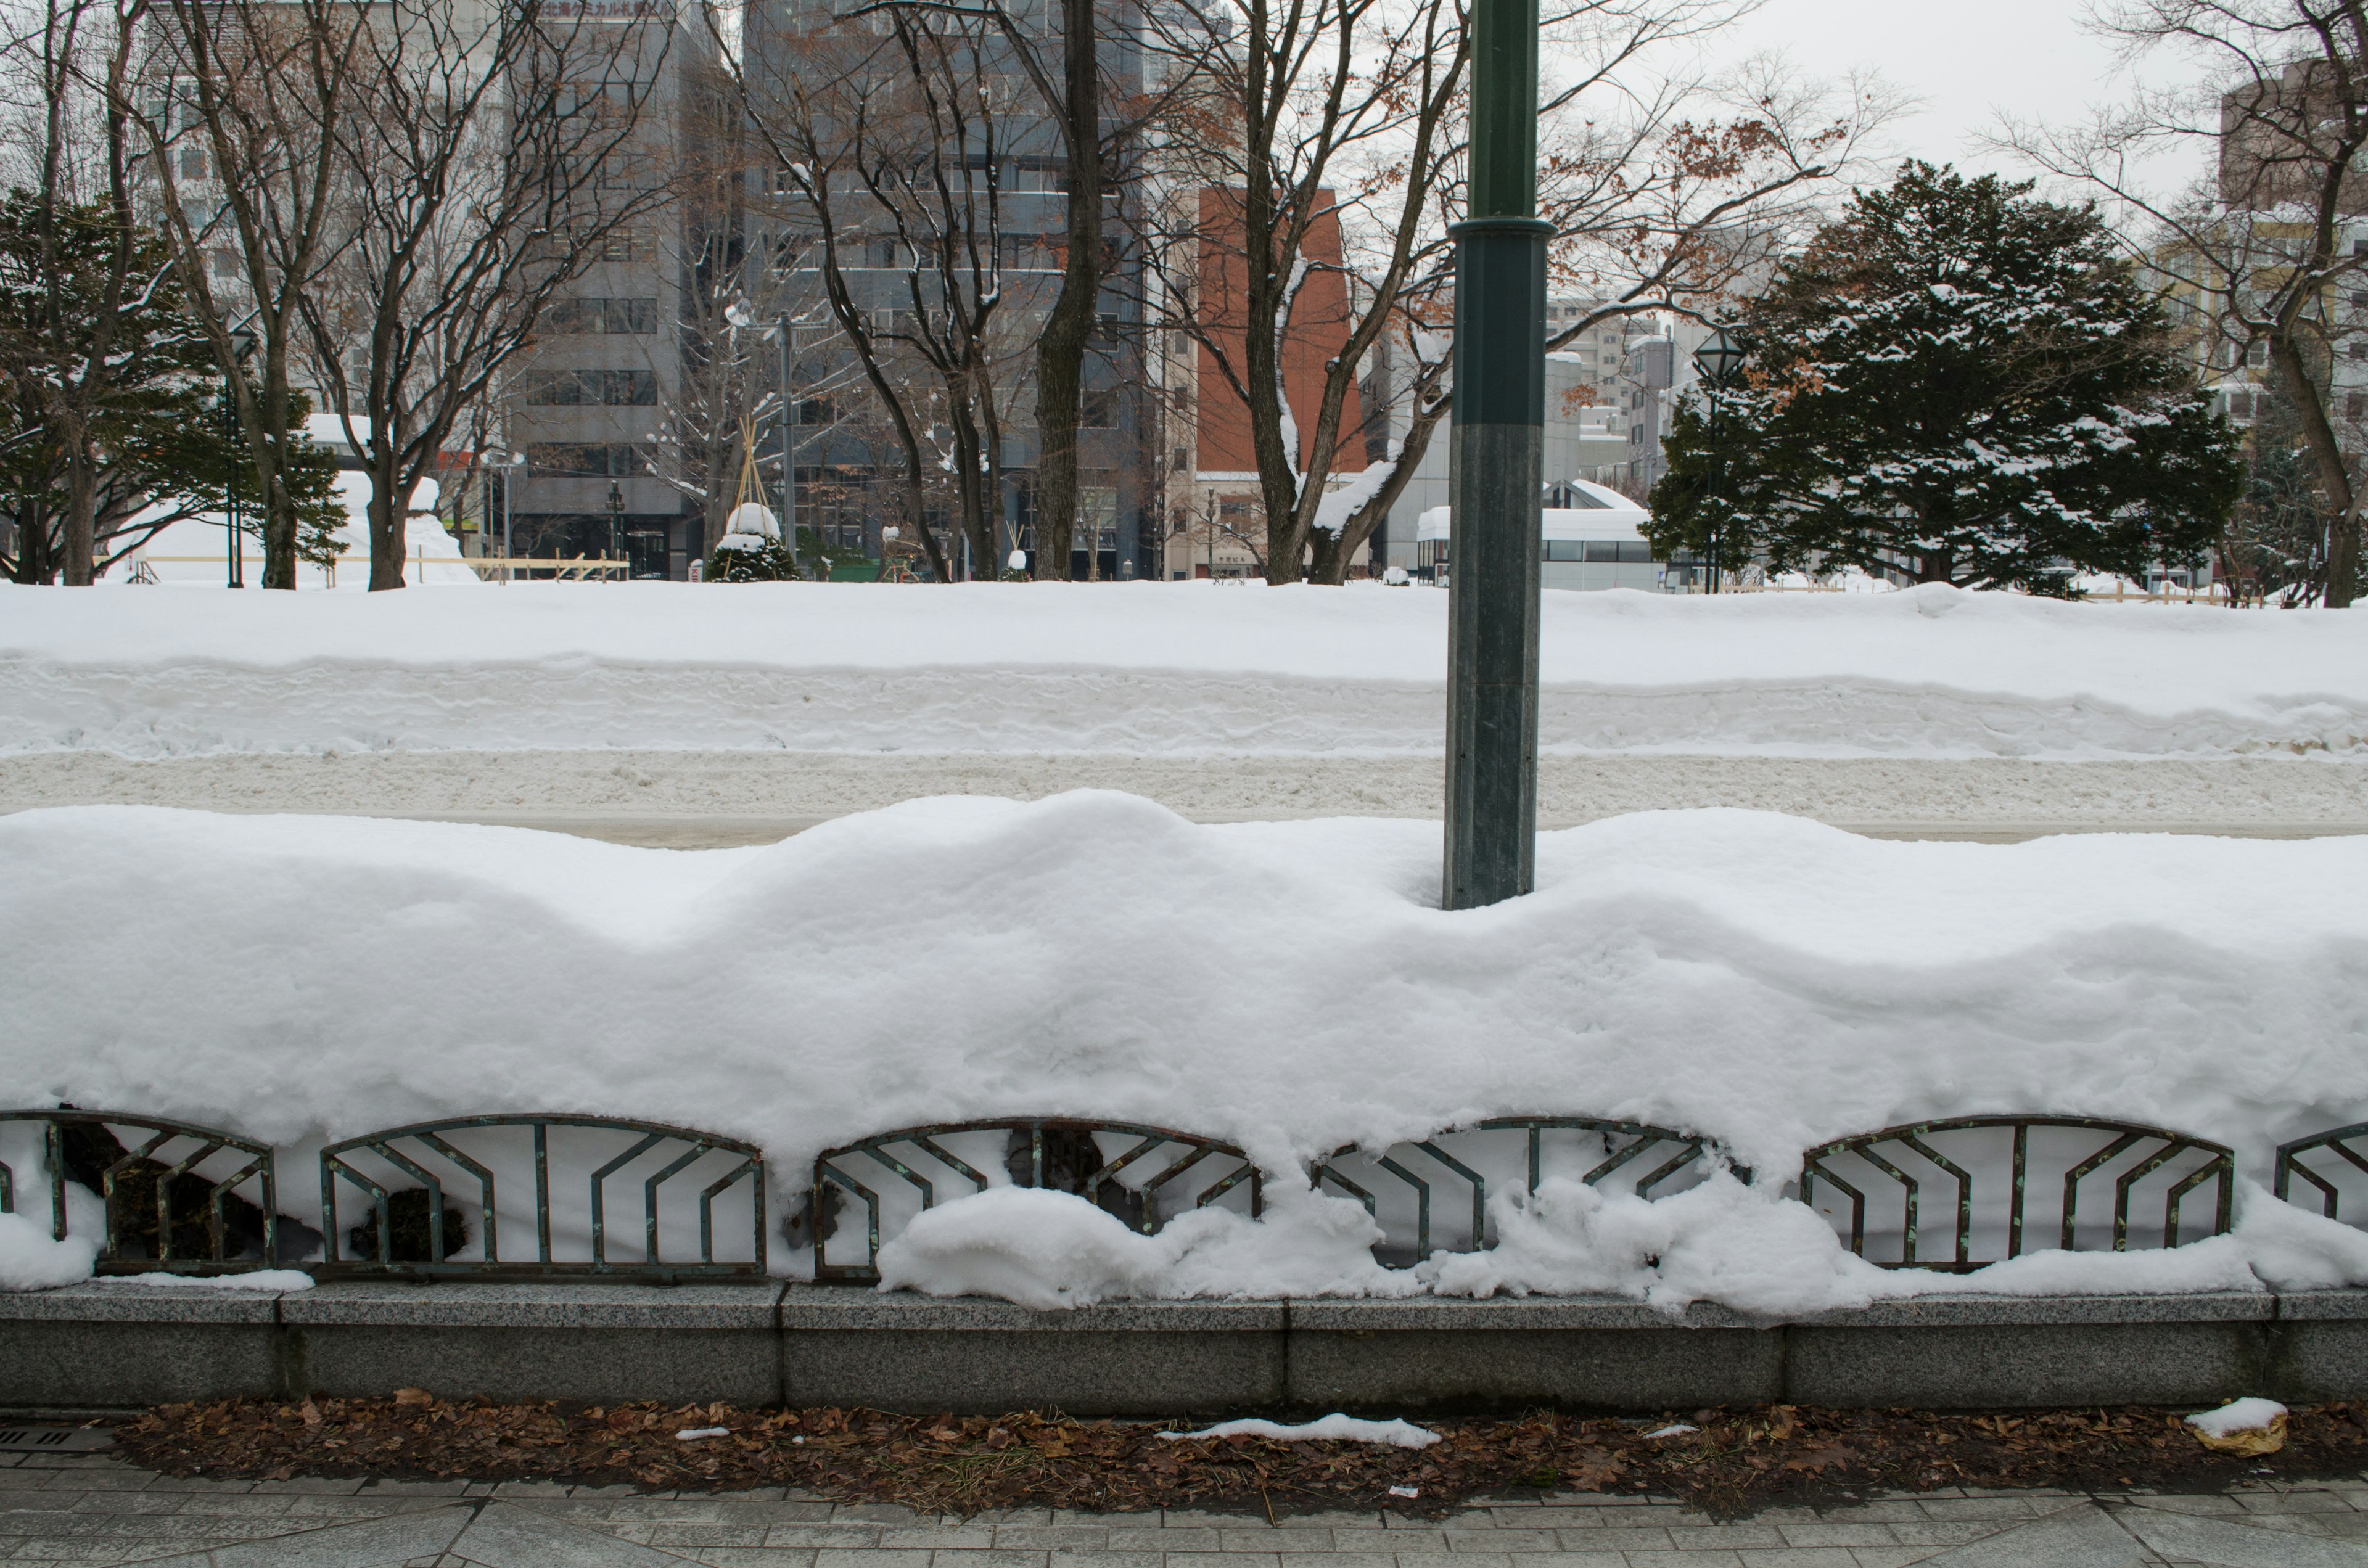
(511, 464)
(241, 348)
(616, 521)
(1718, 361)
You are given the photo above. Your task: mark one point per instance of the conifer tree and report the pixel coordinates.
(1958, 382)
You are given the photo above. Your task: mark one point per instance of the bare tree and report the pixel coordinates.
(488, 159)
(242, 118)
(889, 146)
(1352, 115)
(2283, 113)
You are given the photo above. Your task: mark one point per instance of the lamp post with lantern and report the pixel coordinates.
(1719, 362)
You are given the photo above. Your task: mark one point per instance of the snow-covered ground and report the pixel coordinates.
(1157, 670)
(1290, 987)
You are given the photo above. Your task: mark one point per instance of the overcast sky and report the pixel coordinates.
(1965, 59)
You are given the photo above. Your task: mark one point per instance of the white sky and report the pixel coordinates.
(1965, 59)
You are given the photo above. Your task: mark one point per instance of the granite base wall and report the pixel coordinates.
(106, 1346)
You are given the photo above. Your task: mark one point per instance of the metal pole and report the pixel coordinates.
(789, 456)
(1496, 450)
(509, 475)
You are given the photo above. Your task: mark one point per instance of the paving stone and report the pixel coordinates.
(2079, 1537)
(827, 1537)
(1050, 1538)
(969, 1557)
(1934, 1532)
(1835, 1532)
(1338, 1560)
(751, 1557)
(1618, 1538)
(937, 1535)
(1501, 1540)
(1717, 1558)
(840, 1557)
(874, 1513)
(1237, 1559)
(2227, 1544)
(1105, 1560)
(1455, 1560)
(1152, 1541)
(706, 1535)
(2001, 1509)
(2295, 1502)
(1798, 1556)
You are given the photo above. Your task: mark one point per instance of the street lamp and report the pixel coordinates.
(511, 464)
(616, 519)
(241, 348)
(1719, 362)
(1496, 449)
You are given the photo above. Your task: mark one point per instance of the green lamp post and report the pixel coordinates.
(1495, 452)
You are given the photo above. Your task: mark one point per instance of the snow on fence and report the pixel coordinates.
(176, 1198)
(1514, 1151)
(1143, 1186)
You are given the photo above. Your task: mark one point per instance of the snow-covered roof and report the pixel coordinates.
(1614, 516)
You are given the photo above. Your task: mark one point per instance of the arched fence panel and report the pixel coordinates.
(169, 1196)
(451, 1198)
(1434, 1193)
(870, 1190)
(2329, 1165)
(1996, 1186)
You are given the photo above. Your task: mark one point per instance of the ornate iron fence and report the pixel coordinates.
(2132, 1154)
(1091, 1159)
(2337, 1142)
(417, 1223)
(165, 1210)
(1600, 1152)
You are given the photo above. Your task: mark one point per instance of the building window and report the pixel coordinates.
(631, 316)
(563, 389)
(569, 459)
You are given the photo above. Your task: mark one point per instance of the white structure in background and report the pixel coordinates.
(1585, 446)
(1596, 543)
(195, 552)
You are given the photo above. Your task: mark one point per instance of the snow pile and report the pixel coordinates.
(1051, 1250)
(1333, 1429)
(1164, 669)
(31, 1259)
(1759, 979)
(2237, 1415)
(193, 552)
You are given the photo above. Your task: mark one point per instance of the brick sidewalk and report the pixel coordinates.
(61, 1508)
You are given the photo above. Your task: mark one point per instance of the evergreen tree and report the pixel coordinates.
(1958, 382)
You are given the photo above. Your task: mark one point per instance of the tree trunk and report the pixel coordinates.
(1061, 353)
(81, 553)
(388, 526)
(2327, 455)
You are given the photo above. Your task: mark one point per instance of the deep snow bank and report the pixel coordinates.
(1290, 987)
(1156, 668)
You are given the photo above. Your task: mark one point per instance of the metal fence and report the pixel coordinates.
(2328, 1148)
(183, 1198)
(2083, 1152)
(1397, 1182)
(170, 1194)
(412, 1231)
(1139, 1173)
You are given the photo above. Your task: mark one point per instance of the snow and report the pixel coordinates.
(1159, 669)
(1052, 1251)
(699, 1434)
(2237, 1415)
(1333, 1429)
(1760, 980)
(275, 1280)
(31, 1259)
(192, 552)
